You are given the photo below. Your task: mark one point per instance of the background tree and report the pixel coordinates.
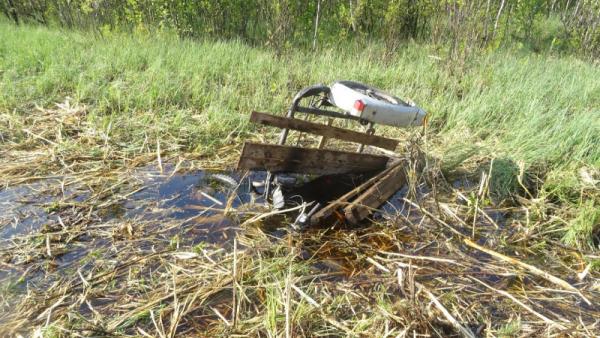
(457, 25)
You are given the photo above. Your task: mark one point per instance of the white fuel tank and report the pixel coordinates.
(374, 105)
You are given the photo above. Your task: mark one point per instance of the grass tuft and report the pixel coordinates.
(584, 229)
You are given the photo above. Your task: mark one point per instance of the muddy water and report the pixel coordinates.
(49, 231)
(195, 199)
(21, 210)
(162, 211)
(25, 209)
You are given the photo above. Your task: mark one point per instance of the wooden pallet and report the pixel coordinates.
(277, 158)
(357, 204)
(323, 130)
(360, 202)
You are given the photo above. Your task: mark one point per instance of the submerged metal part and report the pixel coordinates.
(278, 199)
(303, 218)
(286, 181)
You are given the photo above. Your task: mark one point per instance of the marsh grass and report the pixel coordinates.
(85, 111)
(142, 92)
(531, 107)
(410, 272)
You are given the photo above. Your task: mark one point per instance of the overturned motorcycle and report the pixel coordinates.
(379, 173)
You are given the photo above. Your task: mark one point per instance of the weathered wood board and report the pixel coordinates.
(278, 158)
(323, 130)
(337, 206)
(376, 195)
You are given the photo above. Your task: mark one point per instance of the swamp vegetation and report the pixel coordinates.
(109, 145)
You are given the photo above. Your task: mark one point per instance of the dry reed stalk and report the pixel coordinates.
(530, 268)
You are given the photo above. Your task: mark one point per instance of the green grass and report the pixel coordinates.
(542, 110)
(582, 226)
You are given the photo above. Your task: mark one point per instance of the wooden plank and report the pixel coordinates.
(323, 130)
(277, 158)
(376, 195)
(335, 206)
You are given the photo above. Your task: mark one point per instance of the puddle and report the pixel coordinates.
(21, 210)
(163, 211)
(49, 234)
(48, 231)
(195, 199)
